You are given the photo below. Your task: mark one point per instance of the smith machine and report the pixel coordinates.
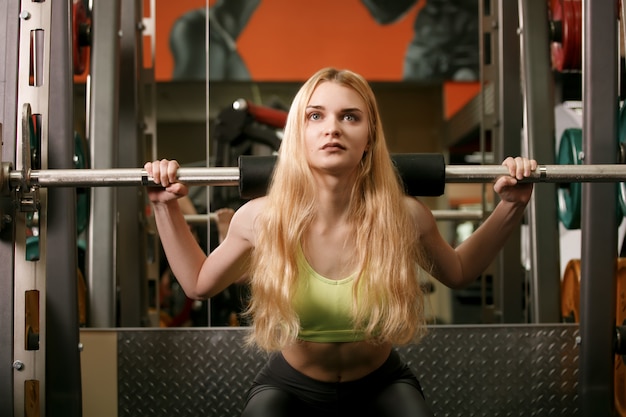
(39, 332)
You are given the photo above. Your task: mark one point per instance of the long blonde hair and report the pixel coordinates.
(388, 299)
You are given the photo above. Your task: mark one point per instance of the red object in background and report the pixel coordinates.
(566, 49)
(80, 25)
(266, 115)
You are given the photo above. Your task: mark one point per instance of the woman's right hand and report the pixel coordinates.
(164, 172)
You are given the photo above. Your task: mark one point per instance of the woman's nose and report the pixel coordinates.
(331, 128)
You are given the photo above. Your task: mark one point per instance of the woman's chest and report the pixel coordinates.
(333, 257)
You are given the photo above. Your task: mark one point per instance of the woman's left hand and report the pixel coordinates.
(507, 186)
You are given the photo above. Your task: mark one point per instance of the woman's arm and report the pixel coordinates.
(200, 276)
(461, 266)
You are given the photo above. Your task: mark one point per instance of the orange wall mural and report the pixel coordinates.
(288, 40)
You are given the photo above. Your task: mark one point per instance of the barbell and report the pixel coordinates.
(461, 215)
(423, 174)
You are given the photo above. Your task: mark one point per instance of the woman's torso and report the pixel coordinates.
(330, 252)
(336, 362)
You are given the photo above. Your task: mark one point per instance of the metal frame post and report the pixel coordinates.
(102, 119)
(9, 36)
(131, 243)
(502, 122)
(33, 95)
(538, 84)
(151, 241)
(63, 394)
(599, 205)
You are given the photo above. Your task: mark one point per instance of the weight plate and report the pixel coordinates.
(569, 199)
(620, 365)
(81, 161)
(621, 131)
(566, 46)
(79, 51)
(570, 309)
(570, 292)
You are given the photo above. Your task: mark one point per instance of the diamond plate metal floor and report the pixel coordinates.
(513, 370)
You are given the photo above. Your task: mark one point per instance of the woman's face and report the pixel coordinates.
(336, 129)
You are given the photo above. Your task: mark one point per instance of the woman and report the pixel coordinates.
(334, 252)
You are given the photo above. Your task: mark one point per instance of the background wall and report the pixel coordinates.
(287, 40)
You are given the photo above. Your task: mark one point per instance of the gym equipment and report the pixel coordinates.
(620, 359)
(484, 366)
(422, 174)
(81, 28)
(570, 310)
(621, 129)
(253, 173)
(262, 114)
(570, 153)
(26, 184)
(244, 128)
(81, 161)
(439, 215)
(566, 34)
(570, 292)
(570, 194)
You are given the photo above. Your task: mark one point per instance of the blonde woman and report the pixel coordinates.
(334, 252)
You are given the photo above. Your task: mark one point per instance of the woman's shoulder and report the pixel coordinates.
(254, 206)
(249, 212)
(420, 213)
(244, 219)
(414, 205)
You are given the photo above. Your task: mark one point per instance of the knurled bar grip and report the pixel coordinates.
(422, 174)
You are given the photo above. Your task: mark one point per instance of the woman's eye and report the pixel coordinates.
(314, 116)
(350, 117)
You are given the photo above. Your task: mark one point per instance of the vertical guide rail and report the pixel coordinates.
(599, 217)
(151, 146)
(148, 75)
(489, 122)
(501, 68)
(30, 276)
(538, 111)
(131, 228)
(208, 137)
(102, 118)
(63, 394)
(9, 22)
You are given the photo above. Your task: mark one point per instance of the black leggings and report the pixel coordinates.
(390, 391)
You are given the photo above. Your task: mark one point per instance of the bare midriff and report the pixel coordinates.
(336, 362)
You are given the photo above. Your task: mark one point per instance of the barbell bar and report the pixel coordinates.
(463, 215)
(423, 175)
(230, 176)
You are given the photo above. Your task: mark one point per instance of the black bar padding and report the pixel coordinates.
(423, 174)
(254, 175)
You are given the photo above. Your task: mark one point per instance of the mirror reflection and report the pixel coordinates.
(422, 61)
(413, 53)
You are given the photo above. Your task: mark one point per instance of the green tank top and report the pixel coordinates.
(324, 306)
